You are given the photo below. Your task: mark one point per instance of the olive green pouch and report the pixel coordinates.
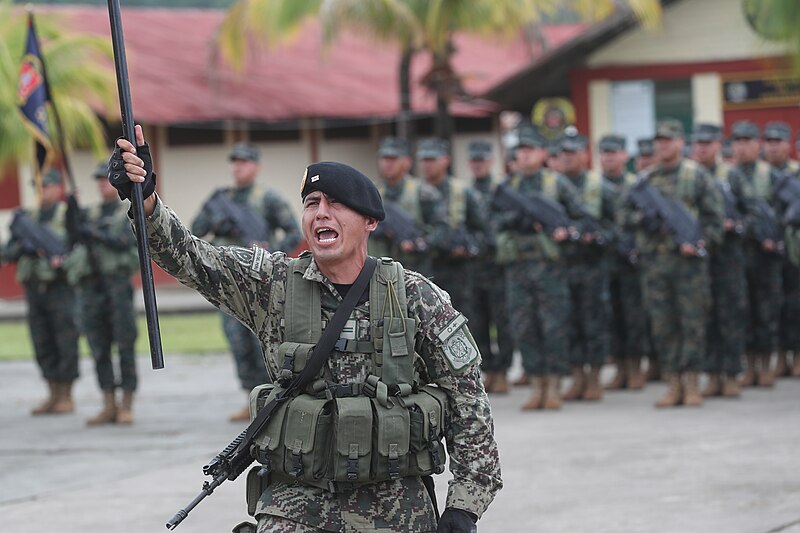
(306, 437)
(268, 441)
(392, 431)
(254, 488)
(293, 357)
(353, 433)
(428, 413)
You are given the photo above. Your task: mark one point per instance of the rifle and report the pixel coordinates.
(626, 248)
(236, 220)
(534, 209)
(766, 225)
(731, 209)
(461, 237)
(35, 236)
(682, 226)
(399, 227)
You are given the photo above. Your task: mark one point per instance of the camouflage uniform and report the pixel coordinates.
(251, 285)
(789, 322)
(424, 204)
(245, 347)
(105, 292)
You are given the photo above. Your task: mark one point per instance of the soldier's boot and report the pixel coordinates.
(691, 390)
(125, 413)
(713, 387)
(575, 391)
(781, 365)
(620, 380)
(46, 406)
(488, 381)
(796, 364)
(552, 395)
(766, 378)
(522, 381)
(108, 415)
(64, 403)
(500, 383)
(593, 391)
(243, 415)
(653, 370)
(730, 387)
(748, 378)
(674, 395)
(537, 394)
(636, 379)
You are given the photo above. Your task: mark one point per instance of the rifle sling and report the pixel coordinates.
(320, 352)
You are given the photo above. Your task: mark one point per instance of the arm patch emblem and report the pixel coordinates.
(458, 345)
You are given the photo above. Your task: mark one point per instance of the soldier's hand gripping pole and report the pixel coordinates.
(137, 200)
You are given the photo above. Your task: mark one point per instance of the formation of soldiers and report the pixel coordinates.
(685, 256)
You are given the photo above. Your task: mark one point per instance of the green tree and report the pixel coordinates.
(776, 20)
(417, 25)
(77, 76)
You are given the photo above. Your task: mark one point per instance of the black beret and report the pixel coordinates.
(345, 184)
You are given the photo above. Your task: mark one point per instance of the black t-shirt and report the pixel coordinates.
(344, 288)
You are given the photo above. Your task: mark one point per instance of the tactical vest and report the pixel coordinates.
(31, 269)
(341, 436)
(514, 245)
(409, 198)
(762, 180)
(255, 201)
(686, 188)
(456, 203)
(592, 194)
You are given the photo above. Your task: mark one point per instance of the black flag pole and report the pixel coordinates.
(137, 201)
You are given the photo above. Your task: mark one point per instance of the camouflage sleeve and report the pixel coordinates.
(229, 277)
(452, 360)
(119, 235)
(279, 216)
(711, 210)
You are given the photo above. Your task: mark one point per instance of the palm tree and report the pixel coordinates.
(416, 25)
(76, 77)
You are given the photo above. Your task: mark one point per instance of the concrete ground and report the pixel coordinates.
(615, 466)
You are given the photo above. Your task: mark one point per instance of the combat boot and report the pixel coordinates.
(243, 415)
(500, 383)
(765, 376)
(691, 391)
(537, 394)
(593, 391)
(713, 387)
(672, 397)
(64, 403)
(781, 365)
(730, 387)
(748, 379)
(552, 395)
(653, 369)
(620, 380)
(635, 377)
(108, 415)
(488, 381)
(125, 413)
(47, 406)
(796, 364)
(575, 391)
(522, 381)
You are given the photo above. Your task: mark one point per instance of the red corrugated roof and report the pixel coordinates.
(171, 80)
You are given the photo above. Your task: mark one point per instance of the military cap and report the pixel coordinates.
(744, 129)
(669, 128)
(52, 177)
(345, 184)
(644, 147)
(706, 133)
(393, 147)
(245, 152)
(100, 171)
(573, 143)
(479, 150)
(777, 130)
(611, 143)
(433, 148)
(530, 137)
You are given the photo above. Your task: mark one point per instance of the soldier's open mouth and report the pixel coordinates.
(325, 235)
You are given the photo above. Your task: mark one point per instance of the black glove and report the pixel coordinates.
(118, 178)
(457, 521)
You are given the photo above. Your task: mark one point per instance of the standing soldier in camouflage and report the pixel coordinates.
(50, 299)
(419, 200)
(726, 336)
(763, 258)
(536, 279)
(453, 262)
(676, 285)
(629, 322)
(645, 157)
(489, 310)
(777, 148)
(101, 266)
(371, 436)
(266, 204)
(587, 271)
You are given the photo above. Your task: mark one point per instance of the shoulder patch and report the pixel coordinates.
(458, 345)
(243, 256)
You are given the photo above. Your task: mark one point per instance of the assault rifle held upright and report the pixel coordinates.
(766, 226)
(534, 209)
(731, 209)
(36, 237)
(656, 207)
(399, 227)
(235, 220)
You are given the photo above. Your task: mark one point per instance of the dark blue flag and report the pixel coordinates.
(33, 98)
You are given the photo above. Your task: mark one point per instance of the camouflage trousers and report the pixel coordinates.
(247, 355)
(589, 305)
(678, 298)
(489, 312)
(764, 299)
(789, 329)
(725, 334)
(51, 321)
(538, 307)
(456, 277)
(107, 319)
(629, 336)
